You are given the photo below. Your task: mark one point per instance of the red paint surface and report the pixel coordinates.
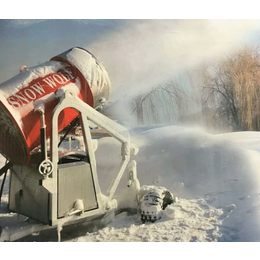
(22, 101)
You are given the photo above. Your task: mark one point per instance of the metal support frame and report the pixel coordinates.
(68, 99)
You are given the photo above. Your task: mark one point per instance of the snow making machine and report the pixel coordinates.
(40, 108)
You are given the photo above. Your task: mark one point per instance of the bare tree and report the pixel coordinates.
(232, 87)
(167, 99)
(139, 100)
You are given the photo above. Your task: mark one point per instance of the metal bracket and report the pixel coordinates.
(69, 99)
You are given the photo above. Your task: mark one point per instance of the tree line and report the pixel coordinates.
(223, 94)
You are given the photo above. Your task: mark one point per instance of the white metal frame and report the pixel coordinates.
(68, 98)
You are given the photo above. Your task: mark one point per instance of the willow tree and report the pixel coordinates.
(232, 85)
(168, 100)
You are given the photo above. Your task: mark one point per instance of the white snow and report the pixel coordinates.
(212, 168)
(216, 177)
(94, 73)
(19, 81)
(250, 141)
(187, 222)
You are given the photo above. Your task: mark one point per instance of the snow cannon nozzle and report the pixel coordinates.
(75, 69)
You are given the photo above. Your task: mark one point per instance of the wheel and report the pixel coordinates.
(46, 167)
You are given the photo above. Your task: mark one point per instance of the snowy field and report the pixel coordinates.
(216, 177)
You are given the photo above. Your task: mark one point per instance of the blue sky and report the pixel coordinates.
(31, 42)
(136, 53)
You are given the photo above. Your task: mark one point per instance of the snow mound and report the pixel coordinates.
(193, 164)
(187, 220)
(246, 139)
(216, 177)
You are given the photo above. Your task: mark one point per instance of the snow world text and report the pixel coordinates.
(41, 87)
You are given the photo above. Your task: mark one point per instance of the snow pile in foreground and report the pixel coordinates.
(216, 178)
(186, 220)
(193, 164)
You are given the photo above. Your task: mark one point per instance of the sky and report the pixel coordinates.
(137, 53)
(32, 42)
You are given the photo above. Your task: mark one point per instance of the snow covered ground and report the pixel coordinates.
(216, 177)
(187, 220)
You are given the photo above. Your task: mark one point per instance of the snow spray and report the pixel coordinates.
(20, 124)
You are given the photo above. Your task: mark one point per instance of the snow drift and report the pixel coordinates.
(193, 164)
(216, 178)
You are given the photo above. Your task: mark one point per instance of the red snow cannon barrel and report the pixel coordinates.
(19, 97)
